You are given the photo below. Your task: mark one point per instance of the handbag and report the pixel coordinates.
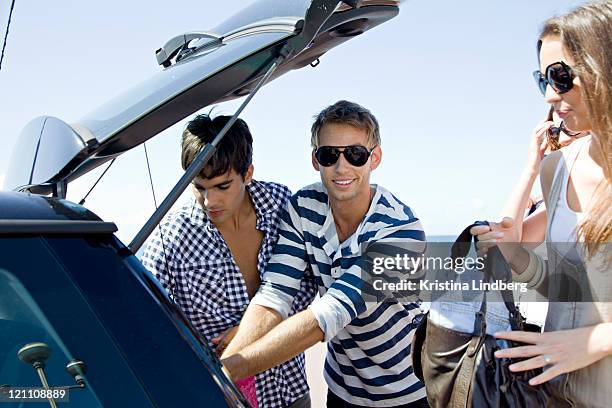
(460, 369)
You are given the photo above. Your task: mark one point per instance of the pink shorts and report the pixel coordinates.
(247, 387)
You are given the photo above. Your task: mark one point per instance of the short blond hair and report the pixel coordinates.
(349, 113)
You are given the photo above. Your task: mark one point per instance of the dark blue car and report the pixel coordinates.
(78, 311)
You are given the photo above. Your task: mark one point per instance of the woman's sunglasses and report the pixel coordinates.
(558, 75)
(356, 155)
(554, 132)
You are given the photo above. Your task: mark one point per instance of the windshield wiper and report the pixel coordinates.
(176, 46)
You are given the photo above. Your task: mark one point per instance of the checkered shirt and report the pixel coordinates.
(189, 257)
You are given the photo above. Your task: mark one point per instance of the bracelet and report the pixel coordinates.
(534, 274)
(528, 275)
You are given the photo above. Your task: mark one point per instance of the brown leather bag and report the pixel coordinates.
(459, 369)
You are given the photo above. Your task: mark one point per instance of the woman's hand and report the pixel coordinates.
(504, 233)
(561, 351)
(538, 146)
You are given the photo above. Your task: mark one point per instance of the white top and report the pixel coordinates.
(563, 228)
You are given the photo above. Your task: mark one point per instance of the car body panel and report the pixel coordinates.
(102, 305)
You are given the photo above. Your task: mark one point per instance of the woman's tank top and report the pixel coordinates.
(563, 228)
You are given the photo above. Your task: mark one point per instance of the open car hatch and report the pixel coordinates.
(198, 69)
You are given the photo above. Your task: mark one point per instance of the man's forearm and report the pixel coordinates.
(256, 322)
(285, 341)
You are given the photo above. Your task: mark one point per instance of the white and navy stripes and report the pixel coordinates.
(368, 361)
(196, 267)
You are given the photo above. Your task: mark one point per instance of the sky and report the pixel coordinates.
(450, 83)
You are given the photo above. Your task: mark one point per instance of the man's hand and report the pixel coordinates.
(223, 339)
(256, 322)
(285, 341)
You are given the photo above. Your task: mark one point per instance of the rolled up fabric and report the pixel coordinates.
(247, 387)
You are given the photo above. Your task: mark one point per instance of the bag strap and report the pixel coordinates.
(494, 266)
(465, 376)
(498, 267)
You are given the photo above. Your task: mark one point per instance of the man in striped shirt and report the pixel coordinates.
(323, 231)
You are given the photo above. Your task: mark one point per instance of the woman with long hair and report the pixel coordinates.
(548, 136)
(575, 349)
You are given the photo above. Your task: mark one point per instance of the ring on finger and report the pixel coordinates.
(547, 358)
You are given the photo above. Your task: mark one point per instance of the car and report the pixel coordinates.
(80, 316)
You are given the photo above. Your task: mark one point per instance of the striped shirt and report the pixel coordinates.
(368, 361)
(192, 261)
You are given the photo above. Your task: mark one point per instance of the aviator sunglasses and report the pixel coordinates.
(558, 75)
(356, 155)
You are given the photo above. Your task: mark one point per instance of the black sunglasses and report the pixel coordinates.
(558, 75)
(356, 155)
(554, 132)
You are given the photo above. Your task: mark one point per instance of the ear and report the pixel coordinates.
(249, 174)
(315, 163)
(375, 157)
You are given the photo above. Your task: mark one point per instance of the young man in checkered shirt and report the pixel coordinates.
(211, 253)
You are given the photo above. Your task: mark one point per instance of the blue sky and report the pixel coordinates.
(450, 83)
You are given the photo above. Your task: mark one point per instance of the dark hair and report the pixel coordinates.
(348, 113)
(235, 152)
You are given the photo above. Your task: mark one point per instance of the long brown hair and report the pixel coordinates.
(586, 34)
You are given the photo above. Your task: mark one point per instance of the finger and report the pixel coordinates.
(480, 229)
(485, 245)
(521, 336)
(520, 352)
(543, 146)
(540, 136)
(532, 363)
(228, 336)
(542, 127)
(506, 222)
(224, 342)
(491, 236)
(220, 337)
(548, 374)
